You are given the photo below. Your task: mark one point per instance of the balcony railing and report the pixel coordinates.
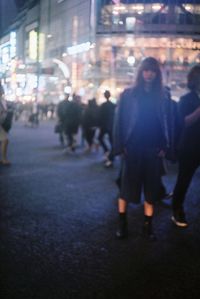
(150, 29)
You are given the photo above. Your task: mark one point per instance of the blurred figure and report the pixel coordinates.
(106, 118)
(3, 134)
(90, 122)
(189, 153)
(73, 121)
(34, 117)
(62, 115)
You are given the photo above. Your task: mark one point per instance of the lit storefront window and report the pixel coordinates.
(33, 45)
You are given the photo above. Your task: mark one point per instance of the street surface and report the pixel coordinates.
(58, 215)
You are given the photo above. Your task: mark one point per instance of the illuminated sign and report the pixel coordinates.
(33, 44)
(181, 43)
(5, 57)
(78, 48)
(13, 44)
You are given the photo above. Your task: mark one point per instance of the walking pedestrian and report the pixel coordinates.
(106, 118)
(189, 150)
(62, 111)
(90, 122)
(141, 137)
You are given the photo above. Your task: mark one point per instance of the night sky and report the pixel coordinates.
(8, 12)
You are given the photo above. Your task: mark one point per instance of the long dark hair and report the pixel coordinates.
(149, 63)
(193, 78)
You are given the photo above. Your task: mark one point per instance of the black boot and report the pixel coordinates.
(148, 230)
(122, 231)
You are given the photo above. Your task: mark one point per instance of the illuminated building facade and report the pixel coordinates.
(129, 30)
(92, 45)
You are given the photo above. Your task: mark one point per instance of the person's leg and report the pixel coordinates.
(110, 159)
(186, 171)
(4, 149)
(152, 180)
(148, 216)
(122, 231)
(61, 138)
(101, 141)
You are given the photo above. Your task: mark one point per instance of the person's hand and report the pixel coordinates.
(197, 112)
(161, 154)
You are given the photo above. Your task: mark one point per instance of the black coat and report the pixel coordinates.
(127, 114)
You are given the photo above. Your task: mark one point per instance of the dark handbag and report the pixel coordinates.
(7, 124)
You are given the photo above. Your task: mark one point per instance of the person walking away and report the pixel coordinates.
(189, 149)
(62, 117)
(141, 137)
(106, 118)
(73, 120)
(90, 122)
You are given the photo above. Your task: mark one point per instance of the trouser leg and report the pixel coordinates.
(186, 171)
(101, 141)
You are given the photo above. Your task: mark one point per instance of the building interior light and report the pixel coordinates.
(120, 8)
(156, 7)
(131, 60)
(188, 7)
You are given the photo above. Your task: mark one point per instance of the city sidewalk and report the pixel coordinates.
(58, 214)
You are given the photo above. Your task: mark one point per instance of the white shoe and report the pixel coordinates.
(108, 164)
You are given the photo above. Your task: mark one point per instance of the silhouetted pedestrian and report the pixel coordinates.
(189, 154)
(90, 122)
(106, 118)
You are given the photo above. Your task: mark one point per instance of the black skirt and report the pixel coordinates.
(141, 172)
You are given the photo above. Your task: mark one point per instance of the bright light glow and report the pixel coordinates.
(131, 60)
(120, 8)
(130, 22)
(188, 7)
(78, 48)
(138, 7)
(33, 44)
(21, 66)
(13, 44)
(68, 89)
(92, 46)
(156, 6)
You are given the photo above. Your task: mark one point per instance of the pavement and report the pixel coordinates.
(58, 215)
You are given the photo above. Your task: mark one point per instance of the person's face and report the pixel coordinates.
(148, 76)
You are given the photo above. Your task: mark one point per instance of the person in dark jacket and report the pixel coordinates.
(90, 122)
(73, 120)
(106, 118)
(141, 137)
(62, 109)
(189, 149)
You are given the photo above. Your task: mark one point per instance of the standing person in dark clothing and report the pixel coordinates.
(90, 122)
(189, 153)
(141, 137)
(106, 117)
(73, 120)
(62, 117)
